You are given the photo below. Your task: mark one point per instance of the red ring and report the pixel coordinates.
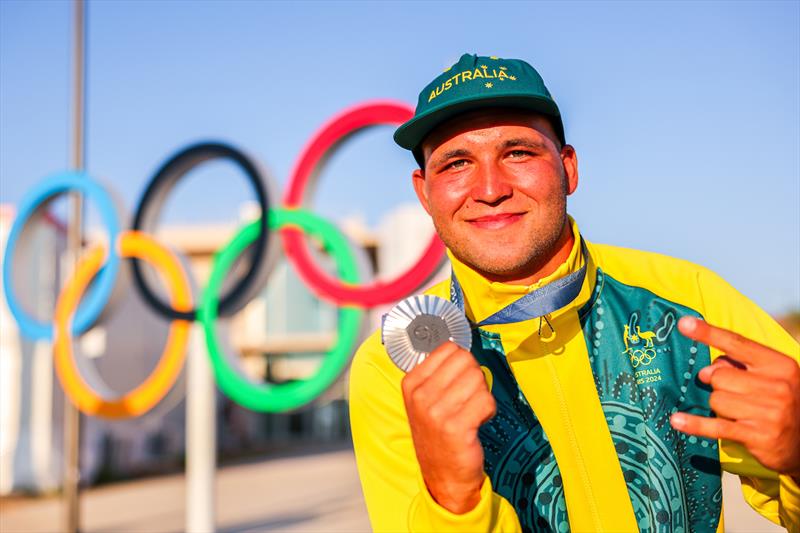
(324, 141)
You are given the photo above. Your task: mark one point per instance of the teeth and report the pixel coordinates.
(395, 335)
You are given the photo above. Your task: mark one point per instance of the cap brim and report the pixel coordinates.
(411, 134)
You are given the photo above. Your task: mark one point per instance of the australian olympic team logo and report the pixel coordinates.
(254, 242)
(639, 355)
(639, 344)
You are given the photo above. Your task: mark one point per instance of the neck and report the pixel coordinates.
(542, 268)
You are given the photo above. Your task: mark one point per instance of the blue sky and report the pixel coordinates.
(685, 115)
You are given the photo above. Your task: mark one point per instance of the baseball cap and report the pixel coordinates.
(476, 82)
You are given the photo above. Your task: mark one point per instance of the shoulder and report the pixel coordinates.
(628, 262)
(672, 278)
(693, 286)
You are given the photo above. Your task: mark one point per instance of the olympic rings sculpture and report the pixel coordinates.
(101, 264)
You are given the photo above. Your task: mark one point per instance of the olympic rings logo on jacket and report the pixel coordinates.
(88, 391)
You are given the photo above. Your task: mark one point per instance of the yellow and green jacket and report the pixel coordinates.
(581, 440)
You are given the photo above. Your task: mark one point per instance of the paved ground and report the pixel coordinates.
(308, 493)
(315, 492)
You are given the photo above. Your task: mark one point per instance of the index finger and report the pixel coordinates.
(435, 359)
(754, 355)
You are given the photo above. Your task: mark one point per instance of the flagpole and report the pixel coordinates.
(72, 418)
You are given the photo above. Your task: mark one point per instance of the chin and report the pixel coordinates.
(506, 270)
(496, 262)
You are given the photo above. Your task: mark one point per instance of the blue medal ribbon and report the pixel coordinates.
(536, 304)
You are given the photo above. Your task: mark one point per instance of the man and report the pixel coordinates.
(593, 413)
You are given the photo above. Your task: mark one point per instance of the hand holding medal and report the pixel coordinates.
(445, 395)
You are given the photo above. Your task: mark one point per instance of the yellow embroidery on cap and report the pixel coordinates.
(488, 85)
(512, 78)
(465, 76)
(494, 57)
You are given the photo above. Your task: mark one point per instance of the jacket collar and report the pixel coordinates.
(483, 297)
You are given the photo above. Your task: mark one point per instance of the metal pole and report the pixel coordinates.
(201, 429)
(72, 419)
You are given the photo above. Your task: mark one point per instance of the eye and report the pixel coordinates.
(458, 163)
(519, 153)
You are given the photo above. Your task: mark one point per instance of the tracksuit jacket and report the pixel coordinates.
(581, 440)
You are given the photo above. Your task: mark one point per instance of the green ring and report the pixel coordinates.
(285, 396)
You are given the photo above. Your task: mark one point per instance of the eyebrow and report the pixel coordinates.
(525, 143)
(505, 145)
(459, 152)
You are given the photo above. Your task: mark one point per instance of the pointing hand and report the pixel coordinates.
(756, 397)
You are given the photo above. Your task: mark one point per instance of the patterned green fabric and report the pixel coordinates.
(643, 370)
(517, 455)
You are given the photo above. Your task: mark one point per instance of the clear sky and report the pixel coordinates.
(685, 115)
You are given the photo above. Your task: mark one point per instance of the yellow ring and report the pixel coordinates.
(155, 387)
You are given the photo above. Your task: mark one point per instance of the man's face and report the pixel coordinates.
(495, 184)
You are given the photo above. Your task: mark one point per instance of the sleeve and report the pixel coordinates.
(395, 493)
(775, 496)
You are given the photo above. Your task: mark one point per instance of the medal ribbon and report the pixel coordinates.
(536, 304)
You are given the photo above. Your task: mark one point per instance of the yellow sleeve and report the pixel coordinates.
(776, 497)
(394, 491)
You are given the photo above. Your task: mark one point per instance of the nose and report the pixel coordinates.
(490, 185)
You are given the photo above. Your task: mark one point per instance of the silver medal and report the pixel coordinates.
(420, 324)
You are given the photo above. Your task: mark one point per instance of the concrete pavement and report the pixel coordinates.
(308, 493)
(313, 492)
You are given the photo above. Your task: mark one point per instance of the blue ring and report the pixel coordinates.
(95, 301)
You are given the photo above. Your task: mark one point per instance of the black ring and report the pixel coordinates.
(149, 208)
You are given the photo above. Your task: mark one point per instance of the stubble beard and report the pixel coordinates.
(522, 259)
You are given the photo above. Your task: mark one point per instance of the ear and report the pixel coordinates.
(418, 180)
(569, 159)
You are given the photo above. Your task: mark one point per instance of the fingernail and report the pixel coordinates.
(677, 420)
(688, 323)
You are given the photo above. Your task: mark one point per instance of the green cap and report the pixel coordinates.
(477, 82)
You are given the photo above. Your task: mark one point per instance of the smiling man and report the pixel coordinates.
(597, 395)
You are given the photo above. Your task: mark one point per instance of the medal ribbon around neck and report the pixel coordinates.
(536, 304)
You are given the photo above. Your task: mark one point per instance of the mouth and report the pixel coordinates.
(495, 221)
